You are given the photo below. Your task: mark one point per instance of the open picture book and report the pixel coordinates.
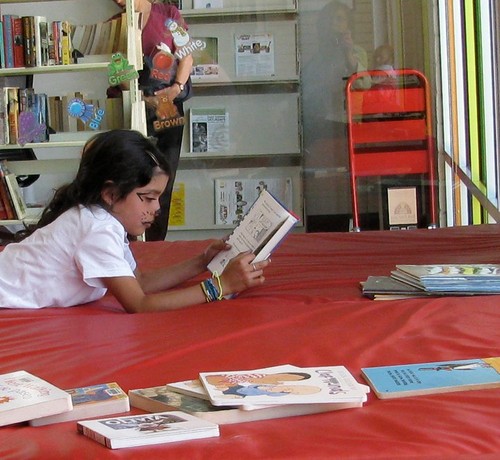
(264, 226)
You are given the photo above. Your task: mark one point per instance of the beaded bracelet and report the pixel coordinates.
(210, 290)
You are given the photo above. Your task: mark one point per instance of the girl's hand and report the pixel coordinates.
(241, 273)
(214, 248)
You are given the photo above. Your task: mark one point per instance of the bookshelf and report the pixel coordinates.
(261, 96)
(58, 159)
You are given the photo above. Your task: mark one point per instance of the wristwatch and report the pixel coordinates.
(180, 85)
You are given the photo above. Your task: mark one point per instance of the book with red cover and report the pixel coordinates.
(18, 42)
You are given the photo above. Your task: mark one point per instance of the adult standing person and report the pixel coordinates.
(163, 84)
(332, 61)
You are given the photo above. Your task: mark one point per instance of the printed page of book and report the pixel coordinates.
(262, 228)
(233, 197)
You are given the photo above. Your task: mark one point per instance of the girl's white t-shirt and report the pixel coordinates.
(63, 263)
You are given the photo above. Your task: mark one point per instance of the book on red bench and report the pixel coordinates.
(402, 380)
(260, 231)
(285, 384)
(91, 401)
(24, 396)
(160, 398)
(147, 429)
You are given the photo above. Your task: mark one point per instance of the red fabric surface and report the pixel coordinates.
(309, 313)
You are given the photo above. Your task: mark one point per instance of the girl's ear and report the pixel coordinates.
(108, 194)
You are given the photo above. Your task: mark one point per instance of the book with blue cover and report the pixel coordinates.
(434, 377)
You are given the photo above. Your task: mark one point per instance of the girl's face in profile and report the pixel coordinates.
(137, 211)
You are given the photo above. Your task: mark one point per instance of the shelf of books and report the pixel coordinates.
(55, 67)
(243, 126)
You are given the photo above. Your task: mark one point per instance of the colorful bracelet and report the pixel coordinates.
(216, 276)
(210, 290)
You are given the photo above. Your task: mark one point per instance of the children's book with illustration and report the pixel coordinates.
(92, 401)
(477, 278)
(24, 396)
(147, 429)
(434, 377)
(390, 288)
(286, 384)
(158, 399)
(264, 226)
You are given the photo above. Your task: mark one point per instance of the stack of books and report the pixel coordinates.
(408, 281)
(257, 394)
(179, 411)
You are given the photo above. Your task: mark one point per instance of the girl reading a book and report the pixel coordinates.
(80, 247)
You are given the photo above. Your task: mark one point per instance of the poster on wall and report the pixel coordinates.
(254, 55)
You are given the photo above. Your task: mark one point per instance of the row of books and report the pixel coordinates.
(410, 281)
(23, 116)
(195, 408)
(27, 116)
(33, 41)
(12, 204)
(106, 37)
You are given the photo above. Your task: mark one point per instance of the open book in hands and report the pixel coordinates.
(260, 231)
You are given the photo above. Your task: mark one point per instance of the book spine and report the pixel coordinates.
(13, 114)
(18, 42)
(66, 50)
(5, 195)
(43, 45)
(2, 47)
(4, 124)
(8, 38)
(29, 41)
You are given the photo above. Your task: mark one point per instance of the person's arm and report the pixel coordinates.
(138, 294)
(181, 77)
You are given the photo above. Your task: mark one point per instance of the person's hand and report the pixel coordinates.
(212, 250)
(241, 273)
(170, 92)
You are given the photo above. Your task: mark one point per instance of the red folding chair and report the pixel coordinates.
(390, 131)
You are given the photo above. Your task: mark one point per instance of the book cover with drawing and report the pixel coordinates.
(92, 401)
(260, 231)
(209, 130)
(24, 396)
(403, 380)
(389, 288)
(233, 197)
(158, 399)
(284, 384)
(147, 429)
(451, 277)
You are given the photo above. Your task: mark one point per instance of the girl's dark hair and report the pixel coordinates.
(124, 159)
